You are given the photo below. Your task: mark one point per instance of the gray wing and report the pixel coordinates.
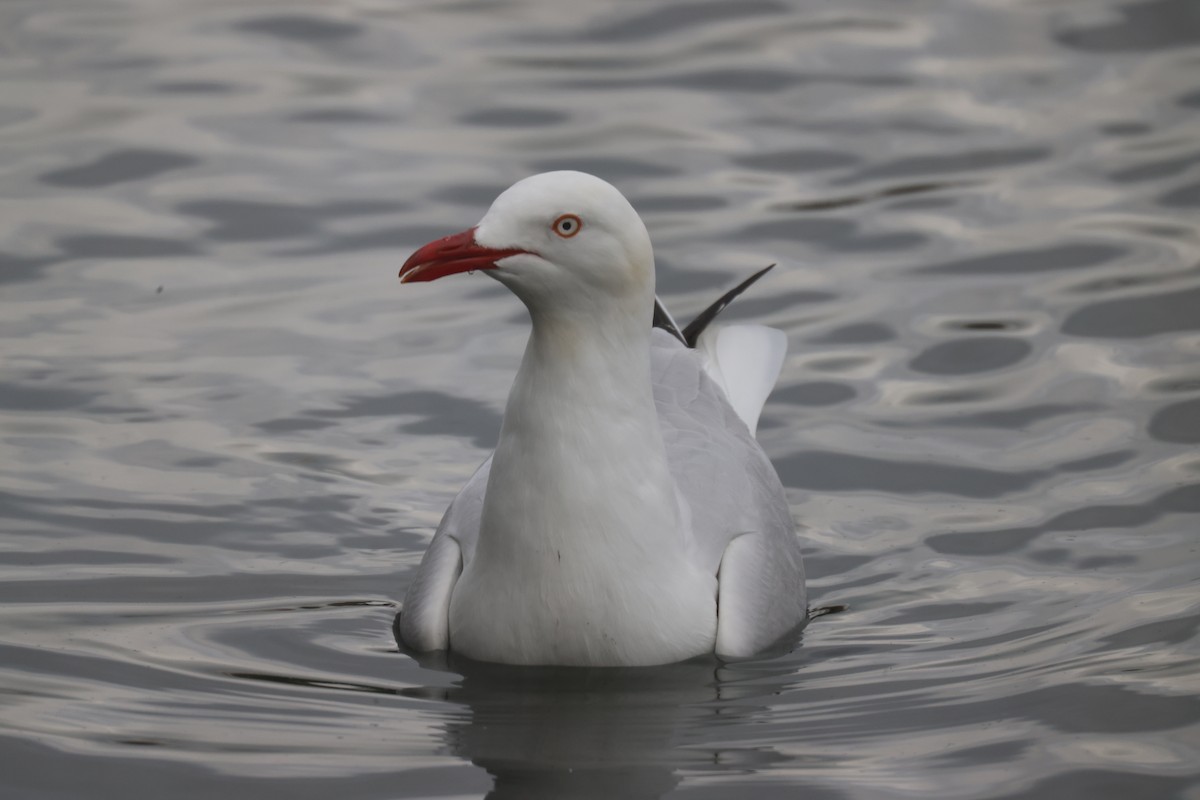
(734, 504)
(425, 619)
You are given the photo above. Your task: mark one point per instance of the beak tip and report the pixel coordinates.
(450, 255)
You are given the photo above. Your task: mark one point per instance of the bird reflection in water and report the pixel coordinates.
(607, 732)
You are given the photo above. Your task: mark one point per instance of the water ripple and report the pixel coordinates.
(226, 432)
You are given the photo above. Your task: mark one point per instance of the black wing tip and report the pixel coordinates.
(691, 334)
(664, 320)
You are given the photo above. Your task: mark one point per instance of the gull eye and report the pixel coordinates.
(567, 225)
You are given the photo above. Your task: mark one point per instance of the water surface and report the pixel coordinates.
(227, 433)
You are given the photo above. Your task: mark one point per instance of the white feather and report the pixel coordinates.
(745, 361)
(628, 516)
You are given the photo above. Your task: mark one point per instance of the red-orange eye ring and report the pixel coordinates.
(567, 225)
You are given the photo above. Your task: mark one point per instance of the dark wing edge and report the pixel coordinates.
(691, 334)
(664, 320)
(696, 327)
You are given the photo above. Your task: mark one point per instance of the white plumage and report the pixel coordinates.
(627, 516)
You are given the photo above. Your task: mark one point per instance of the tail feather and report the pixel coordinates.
(744, 360)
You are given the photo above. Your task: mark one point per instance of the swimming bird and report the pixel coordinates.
(627, 516)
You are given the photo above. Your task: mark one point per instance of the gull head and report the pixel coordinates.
(555, 239)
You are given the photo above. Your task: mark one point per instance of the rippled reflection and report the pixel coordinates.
(226, 433)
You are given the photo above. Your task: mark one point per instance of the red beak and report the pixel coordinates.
(447, 256)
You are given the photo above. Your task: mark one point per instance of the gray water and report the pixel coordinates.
(227, 432)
